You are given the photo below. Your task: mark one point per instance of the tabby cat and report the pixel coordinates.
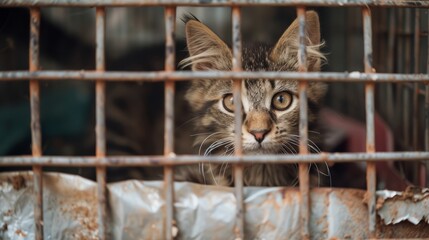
(271, 108)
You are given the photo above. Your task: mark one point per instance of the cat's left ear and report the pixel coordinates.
(207, 51)
(285, 52)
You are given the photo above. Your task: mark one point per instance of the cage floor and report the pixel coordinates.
(136, 210)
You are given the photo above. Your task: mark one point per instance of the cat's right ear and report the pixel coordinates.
(207, 51)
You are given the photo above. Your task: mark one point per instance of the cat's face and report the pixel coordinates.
(270, 107)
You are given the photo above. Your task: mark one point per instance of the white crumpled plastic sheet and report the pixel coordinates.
(135, 210)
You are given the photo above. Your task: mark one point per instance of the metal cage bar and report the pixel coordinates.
(127, 161)
(170, 50)
(304, 179)
(427, 112)
(100, 127)
(238, 168)
(405, 90)
(36, 135)
(416, 85)
(169, 75)
(370, 131)
(155, 76)
(207, 3)
(420, 168)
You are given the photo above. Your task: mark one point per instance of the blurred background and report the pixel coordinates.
(135, 42)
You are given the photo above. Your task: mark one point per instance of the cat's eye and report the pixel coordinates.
(228, 102)
(281, 101)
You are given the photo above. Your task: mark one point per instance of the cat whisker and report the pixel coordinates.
(318, 173)
(202, 143)
(201, 169)
(200, 134)
(189, 121)
(286, 149)
(329, 174)
(199, 153)
(228, 152)
(216, 144)
(295, 141)
(311, 144)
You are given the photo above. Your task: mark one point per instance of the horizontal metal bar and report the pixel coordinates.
(125, 161)
(123, 3)
(222, 75)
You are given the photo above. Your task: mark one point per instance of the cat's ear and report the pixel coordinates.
(285, 52)
(207, 51)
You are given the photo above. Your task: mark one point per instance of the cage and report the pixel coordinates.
(112, 69)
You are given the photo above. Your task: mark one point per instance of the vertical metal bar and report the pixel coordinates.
(398, 119)
(36, 135)
(391, 41)
(170, 50)
(370, 137)
(419, 168)
(427, 130)
(100, 127)
(390, 68)
(427, 111)
(304, 179)
(406, 100)
(238, 168)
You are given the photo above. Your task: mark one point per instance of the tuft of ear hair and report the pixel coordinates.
(188, 17)
(285, 52)
(207, 51)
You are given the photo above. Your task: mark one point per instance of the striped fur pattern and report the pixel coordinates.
(266, 128)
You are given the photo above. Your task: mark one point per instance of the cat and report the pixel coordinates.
(271, 109)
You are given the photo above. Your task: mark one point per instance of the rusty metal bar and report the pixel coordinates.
(221, 75)
(127, 161)
(399, 57)
(36, 135)
(100, 127)
(426, 115)
(124, 3)
(238, 145)
(370, 131)
(304, 178)
(170, 56)
(427, 130)
(419, 168)
(390, 67)
(391, 42)
(406, 92)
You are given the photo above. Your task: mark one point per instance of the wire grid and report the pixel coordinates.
(101, 161)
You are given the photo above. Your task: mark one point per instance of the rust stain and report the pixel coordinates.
(18, 182)
(83, 211)
(4, 227)
(20, 233)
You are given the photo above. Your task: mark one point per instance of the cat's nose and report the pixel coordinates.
(259, 134)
